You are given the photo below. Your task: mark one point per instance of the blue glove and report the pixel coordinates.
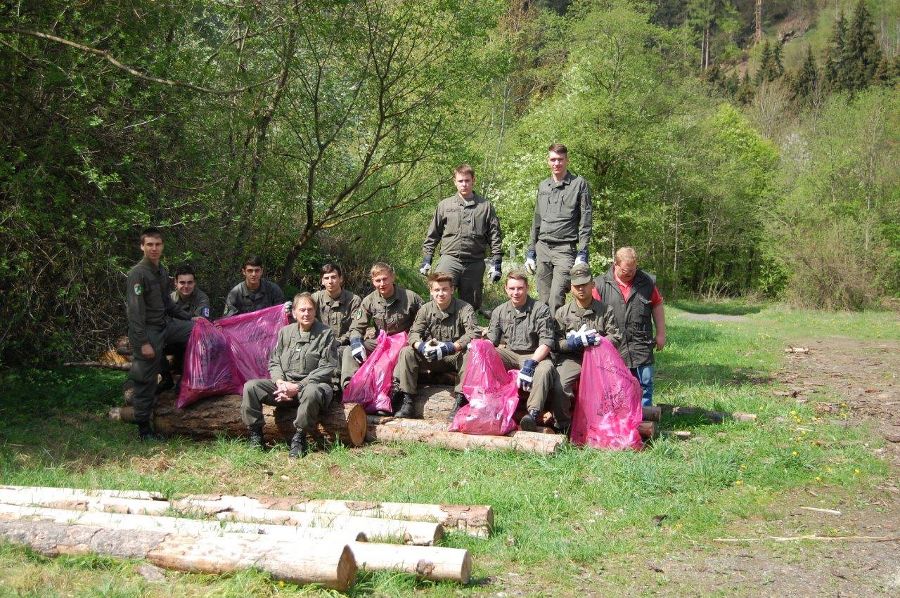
(288, 306)
(441, 350)
(426, 267)
(581, 258)
(530, 261)
(358, 350)
(581, 338)
(496, 270)
(526, 375)
(423, 349)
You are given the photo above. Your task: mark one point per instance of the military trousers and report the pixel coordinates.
(410, 362)
(349, 365)
(554, 260)
(544, 376)
(468, 277)
(144, 372)
(568, 371)
(310, 401)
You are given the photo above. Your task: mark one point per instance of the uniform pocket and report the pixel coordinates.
(311, 361)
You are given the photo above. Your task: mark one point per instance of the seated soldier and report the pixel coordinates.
(442, 331)
(390, 307)
(583, 320)
(300, 371)
(255, 293)
(335, 305)
(522, 330)
(190, 302)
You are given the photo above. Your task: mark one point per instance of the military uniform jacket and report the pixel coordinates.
(562, 213)
(304, 357)
(393, 315)
(633, 315)
(195, 306)
(456, 324)
(597, 315)
(242, 300)
(465, 228)
(522, 329)
(337, 314)
(148, 300)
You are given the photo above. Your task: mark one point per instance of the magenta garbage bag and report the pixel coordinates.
(492, 393)
(208, 369)
(251, 338)
(608, 404)
(371, 384)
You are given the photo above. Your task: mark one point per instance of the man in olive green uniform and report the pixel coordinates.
(150, 327)
(335, 305)
(522, 329)
(580, 324)
(441, 332)
(466, 226)
(190, 302)
(255, 293)
(560, 230)
(390, 307)
(300, 371)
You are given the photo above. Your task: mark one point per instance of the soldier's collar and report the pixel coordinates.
(388, 300)
(451, 309)
(466, 202)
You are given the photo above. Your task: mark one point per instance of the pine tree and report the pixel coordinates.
(765, 61)
(777, 69)
(806, 80)
(863, 50)
(745, 91)
(885, 73)
(836, 61)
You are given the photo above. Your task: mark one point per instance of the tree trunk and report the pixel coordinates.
(428, 562)
(436, 434)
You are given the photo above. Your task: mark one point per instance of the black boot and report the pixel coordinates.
(528, 423)
(460, 401)
(256, 439)
(408, 409)
(146, 433)
(299, 446)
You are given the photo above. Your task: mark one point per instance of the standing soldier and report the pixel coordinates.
(390, 307)
(300, 370)
(442, 331)
(255, 293)
(583, 321)
(150, 327)
(190, 302)
(561, 229)
(637, 306)
(466, 226)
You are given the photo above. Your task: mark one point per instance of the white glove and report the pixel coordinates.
(579, 260)
(288, 305)
(530, 266)
(425, 269)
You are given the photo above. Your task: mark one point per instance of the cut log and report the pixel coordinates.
(329, 564)
(652, 413)
(51, 493)
(716, 417)
(407, 430)
(215, 416)
(648, 430)
(123, 367)
(428, 562)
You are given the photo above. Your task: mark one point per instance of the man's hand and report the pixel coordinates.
(526, 375)
(660, 341)
(530, 263)
(495, 271)
(147, 351)
(440, 350)
(426, 267)
(424, 349)
(358, 350)
(582, 338)
(287, 307)
(581, 258)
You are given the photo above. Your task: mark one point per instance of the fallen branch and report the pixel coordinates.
(818, 510)
(122, 367)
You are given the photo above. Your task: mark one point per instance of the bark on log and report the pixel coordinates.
(436, 434)
(428, 562)
(213, 416)
(122, 367)
(52, 493)
(648, 430)
(328, 564)
(716, 417)
(652, 413)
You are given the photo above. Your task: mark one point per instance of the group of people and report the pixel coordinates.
(317, 356)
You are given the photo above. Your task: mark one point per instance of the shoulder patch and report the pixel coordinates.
(358, 313)
(138, 289)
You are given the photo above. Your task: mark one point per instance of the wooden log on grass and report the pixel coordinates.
(329, 564)
(716, 417)
(53, 493)
(427, 562)
(122, 367)
(221, 415)
(648, 430)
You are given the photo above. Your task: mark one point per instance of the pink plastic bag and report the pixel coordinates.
(371, 384)
(608, 406)
(492, 393)
(251, 338)
(208, 369)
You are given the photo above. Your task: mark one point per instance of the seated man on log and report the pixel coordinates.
(150, 327)
(300, 370)
(390, 307)
(441, 332)
(335, 305)
(190, 303)
(255, 293)
(580, 324)
(522, 329)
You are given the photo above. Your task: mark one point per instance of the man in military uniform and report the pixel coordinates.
(466, 226)
(150, 326)
(335, 305)
(300, 371)
(255, 293)
(390, 307)
(580, 324)
(523, 332)
(441, 332)
(637, 306)
(560, 230)
(190, 302)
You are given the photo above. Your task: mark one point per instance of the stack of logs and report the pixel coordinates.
(302, 541)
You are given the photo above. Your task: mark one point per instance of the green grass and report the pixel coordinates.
(578, 518)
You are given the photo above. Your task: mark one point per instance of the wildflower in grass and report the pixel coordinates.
(738, 482)
(855, 472)
(818, 478)
(794, 453)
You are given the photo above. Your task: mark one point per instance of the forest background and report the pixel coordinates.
(744, 148)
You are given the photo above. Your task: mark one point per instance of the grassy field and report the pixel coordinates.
(564, 523)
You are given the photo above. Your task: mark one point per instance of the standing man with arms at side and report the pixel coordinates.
(466, 226)
(255, 293)
(637, 306)
(561, 229)
(150, 327)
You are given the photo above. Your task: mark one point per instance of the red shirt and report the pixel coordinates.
(625, 288)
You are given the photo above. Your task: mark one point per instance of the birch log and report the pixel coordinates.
(436, 434)
(428, 562)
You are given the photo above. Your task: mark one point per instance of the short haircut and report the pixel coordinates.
(464, 169)
(380, 267)
(516, 275)
(329, 268)
(440, 278)
(304, 296)
(151, 231)
(184, 270)
(253, 260)
(626, 254)
(558, 148)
